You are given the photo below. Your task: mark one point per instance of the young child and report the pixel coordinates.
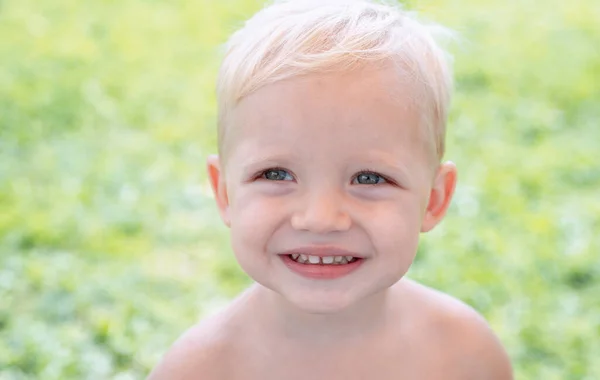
(332, 120)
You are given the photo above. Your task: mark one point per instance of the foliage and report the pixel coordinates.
(110, 245)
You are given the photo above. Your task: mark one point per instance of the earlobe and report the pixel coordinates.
(440, 197)
(217, 182)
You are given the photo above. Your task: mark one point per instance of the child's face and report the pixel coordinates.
(323, 165)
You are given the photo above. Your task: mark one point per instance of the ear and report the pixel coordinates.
(217, 182)
(440, 196)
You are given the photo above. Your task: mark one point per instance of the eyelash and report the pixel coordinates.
(373, 172)
(262, 173)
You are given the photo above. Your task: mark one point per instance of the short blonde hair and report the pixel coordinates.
(291, 38)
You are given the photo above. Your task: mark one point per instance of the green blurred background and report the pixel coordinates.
(110, 245)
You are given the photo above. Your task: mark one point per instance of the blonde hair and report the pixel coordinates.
(291, 38)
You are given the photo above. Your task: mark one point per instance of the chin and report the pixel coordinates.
(320, 306)
(322, 301)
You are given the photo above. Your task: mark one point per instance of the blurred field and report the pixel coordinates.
(110, 245)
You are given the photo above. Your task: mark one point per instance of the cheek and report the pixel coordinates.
(253, 219)
(396, 227)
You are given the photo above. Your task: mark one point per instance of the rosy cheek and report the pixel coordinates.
(254, 211)
(395, 219)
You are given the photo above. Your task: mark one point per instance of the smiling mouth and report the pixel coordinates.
(322, 260)
(321, 263)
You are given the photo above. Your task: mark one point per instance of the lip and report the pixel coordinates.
(321, 271)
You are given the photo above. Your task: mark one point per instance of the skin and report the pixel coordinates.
(292, 178)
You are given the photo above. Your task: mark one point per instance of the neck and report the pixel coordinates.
(362, 320)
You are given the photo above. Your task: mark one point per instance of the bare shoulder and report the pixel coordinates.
(200, 353)
(461, 335)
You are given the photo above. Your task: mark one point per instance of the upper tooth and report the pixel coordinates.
(348, 258)
(338, 259)
(295, 256)
(303, 258)
(328, 260)
(314, 259)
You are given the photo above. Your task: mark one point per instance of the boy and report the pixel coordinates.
(331, 132)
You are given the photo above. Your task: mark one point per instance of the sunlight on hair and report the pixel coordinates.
(299, 37)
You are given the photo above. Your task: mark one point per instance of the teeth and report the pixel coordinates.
(327, 260)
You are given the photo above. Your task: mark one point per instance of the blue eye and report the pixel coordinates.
(368, 178)
(277, 175)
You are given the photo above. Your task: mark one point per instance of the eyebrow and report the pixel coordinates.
(386, 160)
(266, 160)
(378, 159)
(383, 158)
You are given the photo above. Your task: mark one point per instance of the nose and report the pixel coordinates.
(322, 212)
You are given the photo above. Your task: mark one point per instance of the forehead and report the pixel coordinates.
(371, 107)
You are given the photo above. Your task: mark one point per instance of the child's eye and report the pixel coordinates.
(368, 178)
(277, 175)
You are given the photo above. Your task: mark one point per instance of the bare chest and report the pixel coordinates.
(362, 364)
